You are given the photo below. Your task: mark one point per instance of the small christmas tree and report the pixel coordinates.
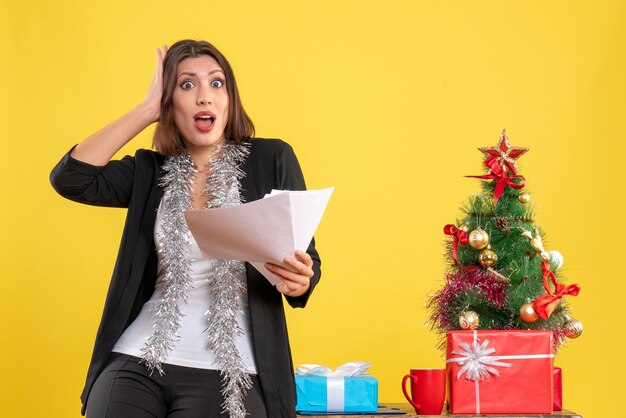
(501, 276)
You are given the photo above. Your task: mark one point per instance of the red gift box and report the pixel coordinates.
(558, 389)
(500, 372)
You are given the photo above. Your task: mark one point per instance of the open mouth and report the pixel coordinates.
(204, 121)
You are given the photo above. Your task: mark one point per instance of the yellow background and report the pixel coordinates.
(388, 102)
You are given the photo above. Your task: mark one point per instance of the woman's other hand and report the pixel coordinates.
(295, 274)
(152, 101)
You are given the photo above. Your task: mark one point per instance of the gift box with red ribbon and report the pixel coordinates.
(499, 372)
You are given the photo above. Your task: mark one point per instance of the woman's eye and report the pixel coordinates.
(187, 85)
(217, 83)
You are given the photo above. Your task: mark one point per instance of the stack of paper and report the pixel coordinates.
(266, 230)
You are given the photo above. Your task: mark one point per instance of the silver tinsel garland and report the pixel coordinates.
(225, 288)
(177, 281)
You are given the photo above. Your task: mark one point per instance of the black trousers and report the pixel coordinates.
(125, 389)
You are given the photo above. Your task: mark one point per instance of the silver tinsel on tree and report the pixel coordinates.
(225, 288)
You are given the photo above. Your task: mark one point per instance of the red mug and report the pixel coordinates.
(428, 390)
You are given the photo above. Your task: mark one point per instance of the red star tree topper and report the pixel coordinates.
(504, 154)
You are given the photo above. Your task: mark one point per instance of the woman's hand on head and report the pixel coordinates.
(295, 274)
(152, 101)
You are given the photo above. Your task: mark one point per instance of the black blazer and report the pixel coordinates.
(132, 183)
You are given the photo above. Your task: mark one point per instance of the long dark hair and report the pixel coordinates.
(167, 140)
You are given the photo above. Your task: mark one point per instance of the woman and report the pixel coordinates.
(213, 330)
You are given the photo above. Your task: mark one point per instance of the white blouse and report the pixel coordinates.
(191, 350)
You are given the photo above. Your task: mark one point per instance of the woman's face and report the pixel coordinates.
(200, 103)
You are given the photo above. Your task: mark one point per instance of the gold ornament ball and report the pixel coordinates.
(478, 239)
(469, 320)
(573, 329)
(524, 198)
(464, 227)
(487, 257)
(527, 312)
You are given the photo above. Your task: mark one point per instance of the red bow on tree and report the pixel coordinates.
(459, 236)
(544, 305)
(500, 176)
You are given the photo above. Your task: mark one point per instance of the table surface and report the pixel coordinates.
(410, 413)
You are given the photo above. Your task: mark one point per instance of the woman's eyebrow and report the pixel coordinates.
(192, 74)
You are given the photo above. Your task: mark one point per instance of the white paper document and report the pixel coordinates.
(268, 229)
